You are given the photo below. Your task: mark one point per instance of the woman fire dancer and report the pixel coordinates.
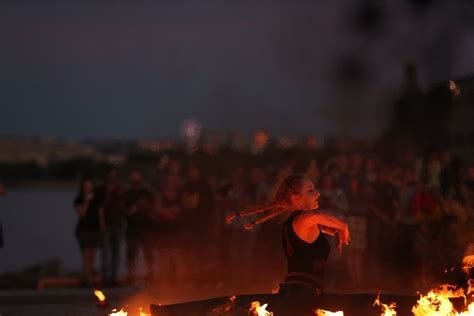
(304, 242)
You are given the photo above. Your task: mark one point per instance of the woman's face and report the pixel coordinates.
(308, 198)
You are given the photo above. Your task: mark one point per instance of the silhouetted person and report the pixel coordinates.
(88, 231)
(113, 215)
(138, 203)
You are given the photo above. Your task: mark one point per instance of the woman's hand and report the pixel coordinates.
(343, 237)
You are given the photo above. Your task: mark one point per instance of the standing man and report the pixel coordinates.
(139, 203)
(112, 222)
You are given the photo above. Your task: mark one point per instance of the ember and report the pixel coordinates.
(100, 295)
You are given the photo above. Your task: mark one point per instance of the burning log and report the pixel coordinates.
(347, 305)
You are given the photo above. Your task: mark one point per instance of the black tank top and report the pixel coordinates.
(303, 257)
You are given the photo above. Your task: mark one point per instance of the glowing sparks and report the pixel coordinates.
(259, 310)
(321, 312)
(387, 309)
(100, 295)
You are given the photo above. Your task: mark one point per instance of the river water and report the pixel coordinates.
(38, 224)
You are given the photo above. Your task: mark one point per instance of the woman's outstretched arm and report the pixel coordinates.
(331, 224)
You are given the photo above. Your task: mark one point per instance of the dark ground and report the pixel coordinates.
(63, 302)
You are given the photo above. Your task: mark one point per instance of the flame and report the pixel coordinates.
(468, 263)
(259, 310)
(469, 312)
(437, 302)
(388, 310)
(118, 313)
(470, 287)
(321, 312)
(276, 290)
(122, 312)
(100, 295)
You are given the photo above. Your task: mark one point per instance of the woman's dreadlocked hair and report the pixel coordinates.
(291, 185)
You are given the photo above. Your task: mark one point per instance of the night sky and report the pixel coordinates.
(137, 69)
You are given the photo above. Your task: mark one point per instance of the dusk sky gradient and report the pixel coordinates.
(137, 69)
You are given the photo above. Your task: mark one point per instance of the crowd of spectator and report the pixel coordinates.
(411, 217)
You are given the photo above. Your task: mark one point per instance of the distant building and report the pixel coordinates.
(44, 151)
